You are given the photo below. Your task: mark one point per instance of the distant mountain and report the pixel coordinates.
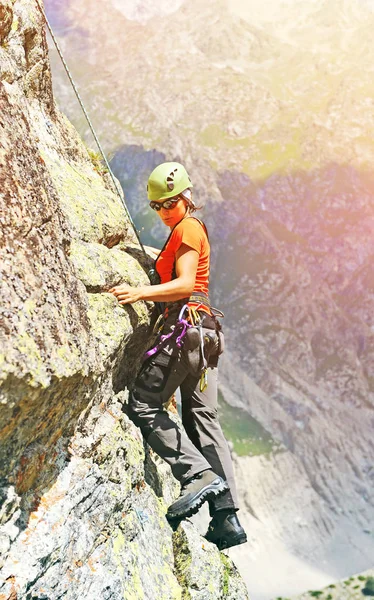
(270, 106)
(356, 587)
(257, 97)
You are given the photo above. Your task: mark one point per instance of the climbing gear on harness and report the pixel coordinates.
(216, 312)
(225, 530)
(193, 316)
(204, 374)
(178, 332)
(153, 276)
(204, 380)
(194, 492)
(168, 180)
(159, 323)
(167, 204)
(202, 344)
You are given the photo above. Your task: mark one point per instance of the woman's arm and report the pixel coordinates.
(186, 264)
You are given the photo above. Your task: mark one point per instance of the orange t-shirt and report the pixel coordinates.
(189, 231)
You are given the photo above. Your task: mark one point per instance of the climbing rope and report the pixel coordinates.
(117, 187)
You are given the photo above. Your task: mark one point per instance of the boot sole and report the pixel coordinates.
(240, 539)
(199, 498)
(222, 544)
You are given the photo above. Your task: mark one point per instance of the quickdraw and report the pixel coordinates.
(179, 331)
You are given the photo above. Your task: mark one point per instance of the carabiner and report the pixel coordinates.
(204, 380)
(182, 311)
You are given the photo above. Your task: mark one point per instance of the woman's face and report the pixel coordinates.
(173, 215)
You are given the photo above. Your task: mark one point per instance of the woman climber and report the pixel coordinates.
(185, 356)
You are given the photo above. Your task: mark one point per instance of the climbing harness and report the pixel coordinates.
(117, 187)
(189, 332)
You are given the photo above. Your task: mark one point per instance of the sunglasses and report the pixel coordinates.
(167, 204)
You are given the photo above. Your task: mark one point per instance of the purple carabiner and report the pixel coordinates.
(180, 328)
(184, 324)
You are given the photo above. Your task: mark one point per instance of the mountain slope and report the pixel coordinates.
(354, 588)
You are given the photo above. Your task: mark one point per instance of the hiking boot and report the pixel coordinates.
(225, 530)
(194, 492)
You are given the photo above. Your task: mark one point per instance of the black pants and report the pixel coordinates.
(200, 444)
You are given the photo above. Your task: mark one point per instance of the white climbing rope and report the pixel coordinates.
(115, 182)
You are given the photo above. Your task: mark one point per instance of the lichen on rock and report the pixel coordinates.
(204, 573)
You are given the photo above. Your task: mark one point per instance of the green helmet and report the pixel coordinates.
(167, 181)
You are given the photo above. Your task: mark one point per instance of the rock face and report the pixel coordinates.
(83, 500)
